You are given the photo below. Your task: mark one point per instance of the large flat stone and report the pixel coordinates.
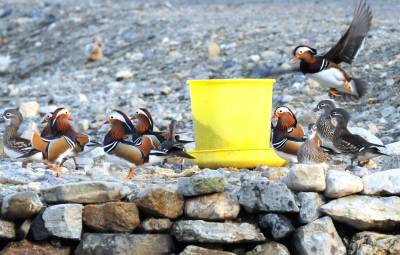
(371, 243)
(342, 183)
(218, 206)
(125, 244)
(384, 182)
(64, 220)
(215, 232)
(196, 250)
(317, 238)
(304, 177)
(262, 195)
(111, 217)
(206, 182)
(160, 202)
(21, 205)
(28, 248)
(364, 212)
(85, 192)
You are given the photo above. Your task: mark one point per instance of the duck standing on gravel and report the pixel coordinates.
(287, 134)
(146, 150)
(325, 127)
(352, 144)
(14, 145)
(311, 151)
(66, 144)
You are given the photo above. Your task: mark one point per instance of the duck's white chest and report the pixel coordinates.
(329, 78)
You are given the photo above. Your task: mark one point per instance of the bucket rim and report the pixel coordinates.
(230, 150)
(252, 81)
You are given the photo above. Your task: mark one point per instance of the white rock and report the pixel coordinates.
(64, 220)
(385, 182)
(124, 74)
(365, 212)
(342, 183)
(393, 148)
(7, 229)
(29, 109)
(5, 62)
(304, 177)
(255, 58)
(319, 237)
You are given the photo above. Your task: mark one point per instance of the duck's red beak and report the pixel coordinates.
(274, 117)
(107, 122)
(294, 59)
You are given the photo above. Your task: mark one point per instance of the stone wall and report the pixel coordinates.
(305, 209)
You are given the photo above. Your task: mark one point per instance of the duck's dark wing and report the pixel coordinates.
(349, 45)
(358, 141)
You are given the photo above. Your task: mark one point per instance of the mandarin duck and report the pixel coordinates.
(122, 152)
(14, 145)
(352, 144)
(326, 68)
(310, 151)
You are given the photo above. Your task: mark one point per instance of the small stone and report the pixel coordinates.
(7, 230)
(196, 250)
(25, 247)
(213, 50)
(153, 225)
(5, 62)
(85, 192)
(215, 232)
(64, 220)
(19, 206)
(29, 109)
(141, 244)
(124, 74)
(269, 248)
(160, 202)
(255, 58)
(364, 212)
(206, 182)
(216, 206)
(279, 225)
(318, 237)
(341, 183)
(305, 177)
(310, 203)
(382, 183)
(111, 217)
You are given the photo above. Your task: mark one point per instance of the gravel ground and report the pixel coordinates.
(164, 44)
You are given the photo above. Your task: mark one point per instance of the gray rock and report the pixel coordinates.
(196, 250)
(393, 148)
(368, 243)
(275, 173)
(215, 232)
(341, 183)
(269, 248)
(364, 212)
(279, 225)
(266, 196)
(20, 206)
(85, 192)
(25, 247)
(64, 220)
(206, 182)
(305, 177)
(23, 229)
(111, 217)
(125, 244)
(318, 237)
(385, 182)
(216, 206)
(153, 225)
(310, 203)
(161, 202)
(7, 230)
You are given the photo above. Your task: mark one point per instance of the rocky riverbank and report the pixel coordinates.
(304, 209)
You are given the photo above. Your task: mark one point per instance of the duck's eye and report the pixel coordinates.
(301, 51)
(322, 104)
(112, 117)
(8, 114)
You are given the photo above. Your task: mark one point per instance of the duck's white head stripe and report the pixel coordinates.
(117, 116)
(141, 112)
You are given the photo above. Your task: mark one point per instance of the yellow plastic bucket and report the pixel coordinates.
(232, 123)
